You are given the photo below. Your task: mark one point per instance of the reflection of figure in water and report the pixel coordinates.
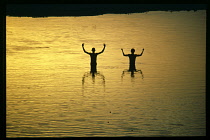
(132, 58)
(93, 74)
(93, 57)
(99, 76)
(132, 73)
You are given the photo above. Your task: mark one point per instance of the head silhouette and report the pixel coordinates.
(132, 51)
(93, 50)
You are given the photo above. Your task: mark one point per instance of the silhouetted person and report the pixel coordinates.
(93, 57)
(132, 58)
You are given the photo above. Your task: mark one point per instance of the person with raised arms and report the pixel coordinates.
(132, 58)
(93, 57)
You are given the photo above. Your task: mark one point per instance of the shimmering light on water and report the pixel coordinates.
(50, 92)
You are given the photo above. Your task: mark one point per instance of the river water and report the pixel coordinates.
(51, 92)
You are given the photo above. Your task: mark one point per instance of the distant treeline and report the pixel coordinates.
(45, 10)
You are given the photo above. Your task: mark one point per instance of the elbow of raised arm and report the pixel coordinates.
(102, 51)
(141, 54)
(85, 51)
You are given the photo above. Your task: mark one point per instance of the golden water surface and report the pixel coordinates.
(51, 92)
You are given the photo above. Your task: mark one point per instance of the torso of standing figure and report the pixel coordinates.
(93, 57)
(132, 58)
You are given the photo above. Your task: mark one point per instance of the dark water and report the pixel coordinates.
(51, 93)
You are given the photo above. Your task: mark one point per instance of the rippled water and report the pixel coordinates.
(51, 93)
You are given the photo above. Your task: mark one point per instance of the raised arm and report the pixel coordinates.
(84, 49)
(103, 49)
(141, 52)
(124, 53)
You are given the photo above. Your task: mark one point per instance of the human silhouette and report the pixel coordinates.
(93, 56)
(132, 58)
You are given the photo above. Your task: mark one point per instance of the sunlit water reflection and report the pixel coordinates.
(51, 92)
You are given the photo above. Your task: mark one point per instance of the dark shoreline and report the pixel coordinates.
(46, 10)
